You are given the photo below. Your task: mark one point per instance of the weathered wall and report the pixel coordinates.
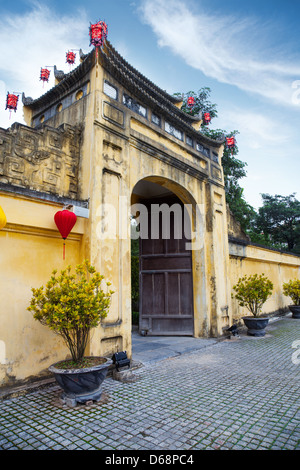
(128, 148)
(248, 259)
(38, 176)
(278, 267)
(31, 247)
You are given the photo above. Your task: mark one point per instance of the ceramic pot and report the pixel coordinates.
(256, 325)
(295, 309)
(81, 385)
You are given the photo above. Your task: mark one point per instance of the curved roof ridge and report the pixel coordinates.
(144, 88)
(142, 76)
(63, 84)
(170, 99)
(144, 93)
(167, 107)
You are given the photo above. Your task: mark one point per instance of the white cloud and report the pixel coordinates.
(226, 48)
(36, 39)
(258, 130)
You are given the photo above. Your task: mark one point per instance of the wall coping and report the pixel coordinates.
(40, 195)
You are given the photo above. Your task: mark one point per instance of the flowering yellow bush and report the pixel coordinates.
(252, 292)
(72, 304)
(292, 289)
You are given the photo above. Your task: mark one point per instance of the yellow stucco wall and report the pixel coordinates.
(31, 247)
(278, 267)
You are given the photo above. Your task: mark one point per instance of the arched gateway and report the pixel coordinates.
(137, 146)
(165, 261)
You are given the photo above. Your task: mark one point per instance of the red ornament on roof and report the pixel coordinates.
(65, 221)
(207, 118)
(12, 102)
(98, 33)
(70, 57)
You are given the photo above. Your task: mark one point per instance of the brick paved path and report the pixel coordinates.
(235, 394)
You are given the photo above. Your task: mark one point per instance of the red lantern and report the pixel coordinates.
(207, 118)
(70, 57)
(44, 76)
(190, 102)
(65, 221)
(98, 33)
(11, 102)
(230, 141)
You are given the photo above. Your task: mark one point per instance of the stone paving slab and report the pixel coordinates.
(231, 395)
(153, 348)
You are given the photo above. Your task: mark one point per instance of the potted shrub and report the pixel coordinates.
(252, 292)
(292, 289)
(71, 304)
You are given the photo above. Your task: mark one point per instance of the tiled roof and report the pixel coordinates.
(135, 82)
(66, 82)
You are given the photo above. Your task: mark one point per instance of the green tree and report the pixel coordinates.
(252, 292)
(292, 289)
(233, 168)
(71, 304)
(278, 221)
(202, 102)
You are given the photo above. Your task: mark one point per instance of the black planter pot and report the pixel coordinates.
(256, 325)
(81, 385)
(295, 309)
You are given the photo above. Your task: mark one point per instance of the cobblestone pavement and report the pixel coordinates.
(234, 394)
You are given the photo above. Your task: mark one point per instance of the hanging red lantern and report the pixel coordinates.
(11, 102)
(230, 142)
(190, 102)
(207, 118)
(98, 33)
(44, 76)
(65, 221)
(70, 57)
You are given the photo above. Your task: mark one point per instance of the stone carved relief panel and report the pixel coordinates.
(44, 160)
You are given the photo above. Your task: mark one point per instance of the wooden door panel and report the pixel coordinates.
(165, 263)
(166, 293)
(173, 283)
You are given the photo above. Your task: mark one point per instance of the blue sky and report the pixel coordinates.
(247, 52)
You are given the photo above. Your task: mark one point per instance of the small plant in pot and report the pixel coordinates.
(252, 292)
(292, 289)
(71, 304)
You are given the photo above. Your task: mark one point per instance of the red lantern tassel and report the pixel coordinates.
(64, 251)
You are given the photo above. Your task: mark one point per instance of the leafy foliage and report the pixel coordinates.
(252, 292)
(278, 221)
(202, 103)
(233, 168)
(292, 289)
(72, 304)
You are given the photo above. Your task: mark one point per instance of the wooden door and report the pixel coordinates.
(166, 282)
